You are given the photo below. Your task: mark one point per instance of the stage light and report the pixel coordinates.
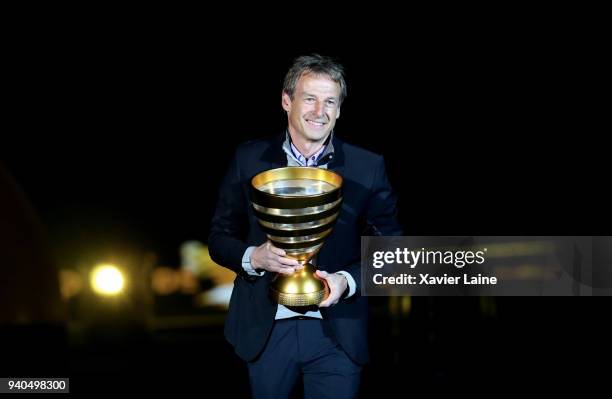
(107, 280)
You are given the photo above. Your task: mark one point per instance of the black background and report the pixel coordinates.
(482, 133)
(121, 131)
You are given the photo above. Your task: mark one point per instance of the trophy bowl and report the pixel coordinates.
(297, 208)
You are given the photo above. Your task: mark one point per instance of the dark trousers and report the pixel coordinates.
(303, 348)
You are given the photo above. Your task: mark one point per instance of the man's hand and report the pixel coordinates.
(337, 285)
(268, 257)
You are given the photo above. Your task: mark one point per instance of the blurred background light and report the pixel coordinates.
(107, 279)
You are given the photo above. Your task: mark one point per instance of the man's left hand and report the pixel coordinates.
(337, 285)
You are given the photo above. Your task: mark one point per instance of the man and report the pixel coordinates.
(326, 345)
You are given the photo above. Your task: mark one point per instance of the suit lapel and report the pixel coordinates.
(337, 163)
(274, 154)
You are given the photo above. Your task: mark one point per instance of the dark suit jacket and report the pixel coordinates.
(369, 208)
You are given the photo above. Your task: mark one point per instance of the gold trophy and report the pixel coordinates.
(297, 207)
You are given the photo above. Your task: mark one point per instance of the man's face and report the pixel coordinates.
(315, 107)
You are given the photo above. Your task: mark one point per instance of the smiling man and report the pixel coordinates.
(326, 346)
(312, 102)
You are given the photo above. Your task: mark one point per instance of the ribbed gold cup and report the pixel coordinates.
(297, 208)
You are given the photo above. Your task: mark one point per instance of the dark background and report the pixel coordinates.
(120, 135)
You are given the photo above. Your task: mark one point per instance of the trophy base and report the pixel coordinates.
(301, 288)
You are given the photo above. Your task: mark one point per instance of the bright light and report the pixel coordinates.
(107, 280)
(291, 288)
(309, 287)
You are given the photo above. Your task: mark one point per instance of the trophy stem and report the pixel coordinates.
(302, 288)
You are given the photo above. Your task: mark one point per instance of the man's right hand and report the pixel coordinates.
(268, 257)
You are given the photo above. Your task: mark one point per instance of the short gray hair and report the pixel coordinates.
(318, 65)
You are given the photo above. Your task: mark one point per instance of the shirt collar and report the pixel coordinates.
(323, 156)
